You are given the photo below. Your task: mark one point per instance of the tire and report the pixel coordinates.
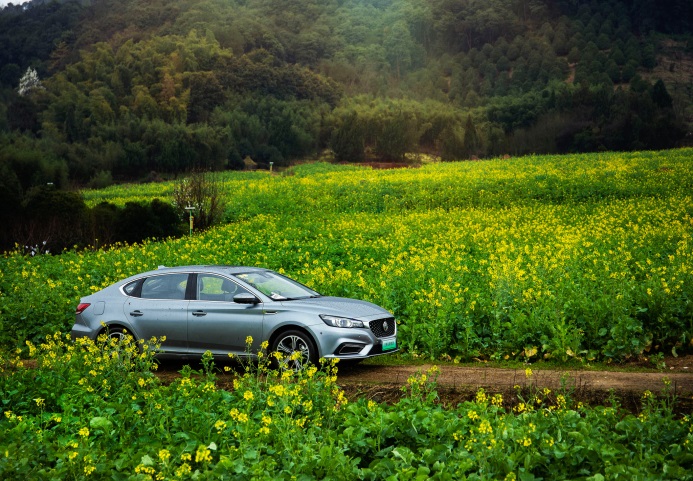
(291, 341)
(121, 334)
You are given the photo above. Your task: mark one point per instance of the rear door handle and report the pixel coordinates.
(199, 313)
(136, 313)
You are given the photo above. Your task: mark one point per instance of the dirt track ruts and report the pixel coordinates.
(497, 378)
(460, 383)
(457, 384)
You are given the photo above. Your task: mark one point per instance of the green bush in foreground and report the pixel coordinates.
(97, 411)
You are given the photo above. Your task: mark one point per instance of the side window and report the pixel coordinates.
(131, 288)
(216, 288)
(168, 286)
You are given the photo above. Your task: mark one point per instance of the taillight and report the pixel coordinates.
(81, 307)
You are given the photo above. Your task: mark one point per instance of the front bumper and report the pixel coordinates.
(358, 343)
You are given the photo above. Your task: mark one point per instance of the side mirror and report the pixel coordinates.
(245, 298)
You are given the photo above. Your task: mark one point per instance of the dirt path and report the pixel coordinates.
(494, 378)
(456, 384)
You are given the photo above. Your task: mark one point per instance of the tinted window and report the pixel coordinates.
(130, 288)
(216, 288)
(168, 286)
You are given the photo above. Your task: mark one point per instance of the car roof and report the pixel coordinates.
(223, 269)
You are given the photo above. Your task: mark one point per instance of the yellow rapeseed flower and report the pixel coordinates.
(203, 455)
(164, 455)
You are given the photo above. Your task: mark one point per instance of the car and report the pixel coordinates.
(220, 308)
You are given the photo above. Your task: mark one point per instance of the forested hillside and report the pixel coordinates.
(96, 90)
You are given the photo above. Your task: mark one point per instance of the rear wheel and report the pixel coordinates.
(297, 350)
(121, 339)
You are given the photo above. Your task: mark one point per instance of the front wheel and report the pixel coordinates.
(297, 350)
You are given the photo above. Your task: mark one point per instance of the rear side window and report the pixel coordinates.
(168, 286)
(131, 288)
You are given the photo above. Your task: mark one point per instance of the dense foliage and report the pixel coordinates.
(557, 257)
(51, 220)
(129, 87)
(97, 411)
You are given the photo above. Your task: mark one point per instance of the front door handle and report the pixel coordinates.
(199, 313)
(136, 313)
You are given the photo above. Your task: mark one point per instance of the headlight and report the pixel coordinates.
(336, 321)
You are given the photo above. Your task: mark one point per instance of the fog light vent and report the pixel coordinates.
(349, 348)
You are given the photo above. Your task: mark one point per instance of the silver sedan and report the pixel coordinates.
(218, 308)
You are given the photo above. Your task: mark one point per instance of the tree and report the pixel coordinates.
(29, 82)
(399, 46)
(52, 215)
(613, 71)
(202, 191)
(205, 94)
(471, 144)
(348, 139)
(649, 58)
(574, 55)
(10, 74)
(396, 135)
(660, 96)
(451, 144)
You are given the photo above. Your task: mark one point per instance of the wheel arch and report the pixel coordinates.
(117, 325)
(294, 327)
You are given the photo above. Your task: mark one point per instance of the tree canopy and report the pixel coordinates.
(118, 89)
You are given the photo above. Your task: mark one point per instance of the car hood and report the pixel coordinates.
(338, 306)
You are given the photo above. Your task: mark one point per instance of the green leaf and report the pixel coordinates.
(100, 422)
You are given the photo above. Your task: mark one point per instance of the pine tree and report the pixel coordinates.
(660, 96)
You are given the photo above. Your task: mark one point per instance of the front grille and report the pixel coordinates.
(383, 327)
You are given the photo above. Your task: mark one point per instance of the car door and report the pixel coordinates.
(158, 307)
(218, 324)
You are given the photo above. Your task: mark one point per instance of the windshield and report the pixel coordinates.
(276, 286)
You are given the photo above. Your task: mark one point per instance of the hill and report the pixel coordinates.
(124, 88)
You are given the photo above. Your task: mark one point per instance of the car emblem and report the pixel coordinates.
(385, 326)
